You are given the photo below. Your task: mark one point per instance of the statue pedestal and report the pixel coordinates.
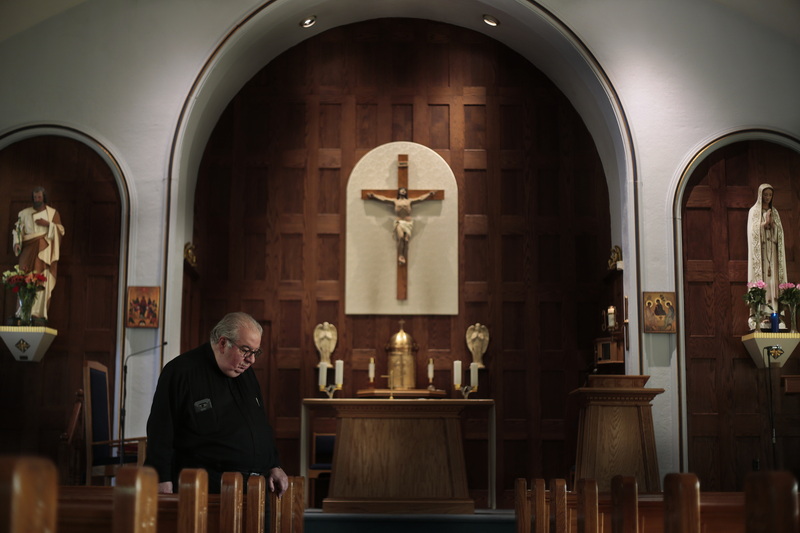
(757, 343)
(28, 343)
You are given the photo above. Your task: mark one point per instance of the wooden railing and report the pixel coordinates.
(769, 503)
(33, 501)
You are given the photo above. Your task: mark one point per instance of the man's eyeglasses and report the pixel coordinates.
(247, 351)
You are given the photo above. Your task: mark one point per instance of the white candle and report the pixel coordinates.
(612, 317)
(371, 369)
(457, 373)
(430, 369)
(323, 374)
(473, 374)
(339, 372)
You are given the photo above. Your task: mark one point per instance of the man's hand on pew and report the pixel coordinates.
(278, 481)
(165, 487)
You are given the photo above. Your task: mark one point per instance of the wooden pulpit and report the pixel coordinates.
(615, 435)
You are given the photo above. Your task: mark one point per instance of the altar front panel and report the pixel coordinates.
(399, 456)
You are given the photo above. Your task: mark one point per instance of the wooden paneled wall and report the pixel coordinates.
(727, 398)
(37, 398)
(533, 225)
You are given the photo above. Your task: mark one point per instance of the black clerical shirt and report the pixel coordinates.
(202, 418)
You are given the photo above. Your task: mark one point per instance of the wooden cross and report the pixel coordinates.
(402, 207)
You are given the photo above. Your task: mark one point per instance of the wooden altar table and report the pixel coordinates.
(399, 456)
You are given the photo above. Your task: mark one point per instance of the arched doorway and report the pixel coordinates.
(728, 430)
(83, 187)
(534, 231)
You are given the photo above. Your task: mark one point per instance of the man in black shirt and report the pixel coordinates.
(208, 412)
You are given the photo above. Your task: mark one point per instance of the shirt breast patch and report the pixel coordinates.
(202, 405)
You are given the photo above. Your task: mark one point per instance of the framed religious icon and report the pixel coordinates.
(143, 307)
(659, 312)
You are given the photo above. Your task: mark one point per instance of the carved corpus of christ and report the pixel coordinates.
(402, 199)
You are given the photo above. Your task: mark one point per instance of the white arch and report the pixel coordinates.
(525, 27)
(700, 155)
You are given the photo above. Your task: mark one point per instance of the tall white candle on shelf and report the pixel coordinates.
(323, 374)
(612, 317)
(371, 369)
(473, 374)
(339, 372)
(430, 369)
(457, 373)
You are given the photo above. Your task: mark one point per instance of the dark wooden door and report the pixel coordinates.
(727, 396)
(533, 225)
(38, 397)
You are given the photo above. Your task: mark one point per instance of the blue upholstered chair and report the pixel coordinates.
(102, 452)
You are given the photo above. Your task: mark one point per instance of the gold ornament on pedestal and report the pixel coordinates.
(401, 351)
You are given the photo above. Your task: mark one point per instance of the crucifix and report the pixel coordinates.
(402, 199)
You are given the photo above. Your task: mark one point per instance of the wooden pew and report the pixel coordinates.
(28, 488)
(93, 509)
(256, 498)
(192, 502)
(539, 515)
(88, 509)
(681, 503)
(135, 500)
(719, 511)
(230, 510)
(287, 512)
(522, 506)
(588, 519)
(624, 505)
(771, 503)
(559, 515)
(534, 513)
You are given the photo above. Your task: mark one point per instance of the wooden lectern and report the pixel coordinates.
(615, 435)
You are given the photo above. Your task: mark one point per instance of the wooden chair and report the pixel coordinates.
(681, 503)
(28, 495)
(287, 512)
(771, 502)
(624, 505)
(101, 461)
(70, 446)
(322, 445)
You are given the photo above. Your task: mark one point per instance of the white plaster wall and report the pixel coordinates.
(685, 72)
(119, 71)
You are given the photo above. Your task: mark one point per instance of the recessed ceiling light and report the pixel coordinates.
(491, 21)
(308, 22)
